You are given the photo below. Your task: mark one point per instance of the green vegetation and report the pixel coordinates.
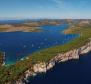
(13, 72)
(47, 54)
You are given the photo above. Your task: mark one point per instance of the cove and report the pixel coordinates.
(18, 45)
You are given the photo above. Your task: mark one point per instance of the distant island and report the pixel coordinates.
(44, 60)
(28, 26)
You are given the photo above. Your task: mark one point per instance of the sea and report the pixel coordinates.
(70, 72)
(18, 45)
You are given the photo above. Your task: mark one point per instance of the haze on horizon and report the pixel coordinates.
(45, 9)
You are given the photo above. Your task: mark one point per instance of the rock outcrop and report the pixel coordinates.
(61, 57)
(2, 58)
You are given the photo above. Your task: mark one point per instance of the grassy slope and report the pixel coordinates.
(47, 54)
(10, 73)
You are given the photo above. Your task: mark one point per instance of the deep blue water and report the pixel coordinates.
(17, 45)
(70, 72)
(20, 44)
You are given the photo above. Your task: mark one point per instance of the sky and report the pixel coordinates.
(59, 9)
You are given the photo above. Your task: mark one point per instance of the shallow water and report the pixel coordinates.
(17, 45)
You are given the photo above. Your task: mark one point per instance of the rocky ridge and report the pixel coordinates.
(43, 67)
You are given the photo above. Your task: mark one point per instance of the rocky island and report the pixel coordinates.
(44, 60)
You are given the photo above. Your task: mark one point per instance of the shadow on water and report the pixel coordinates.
(70, 72)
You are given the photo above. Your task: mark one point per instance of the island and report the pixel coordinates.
(44, 60)
(28, 26)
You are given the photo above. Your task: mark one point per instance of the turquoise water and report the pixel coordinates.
(18, 45)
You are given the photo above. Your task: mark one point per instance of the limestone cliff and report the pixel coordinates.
(61, 57)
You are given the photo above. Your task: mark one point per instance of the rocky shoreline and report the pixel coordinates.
(43, 67)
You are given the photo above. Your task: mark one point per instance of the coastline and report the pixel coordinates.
(46, 59)
(29, 26)
(43, 67)
(73, 52)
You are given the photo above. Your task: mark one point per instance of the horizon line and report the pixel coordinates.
(37, 18)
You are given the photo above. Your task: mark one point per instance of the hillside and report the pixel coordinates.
(13, 72)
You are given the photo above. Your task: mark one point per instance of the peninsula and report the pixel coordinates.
(44, 60)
